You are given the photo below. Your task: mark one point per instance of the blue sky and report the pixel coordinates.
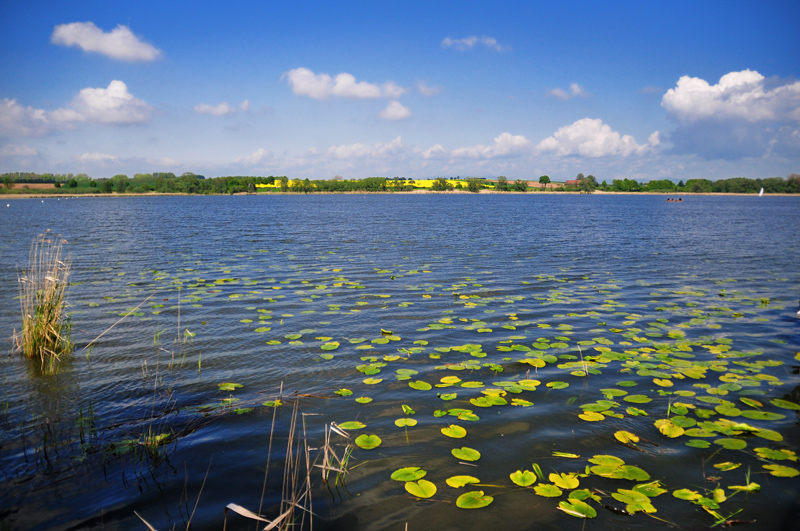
(640, 90)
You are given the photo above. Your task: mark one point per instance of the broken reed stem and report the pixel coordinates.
(43, 285)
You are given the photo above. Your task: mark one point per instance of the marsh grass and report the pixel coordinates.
(46, 326)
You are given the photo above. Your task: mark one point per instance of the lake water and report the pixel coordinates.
(571, 319)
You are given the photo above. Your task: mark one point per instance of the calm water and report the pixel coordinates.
(692, 303)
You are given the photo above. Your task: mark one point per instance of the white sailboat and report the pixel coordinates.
(761, 193)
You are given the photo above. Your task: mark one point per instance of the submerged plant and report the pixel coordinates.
(46, 327)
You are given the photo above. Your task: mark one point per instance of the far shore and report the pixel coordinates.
(537, 192)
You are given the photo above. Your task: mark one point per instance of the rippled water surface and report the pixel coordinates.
(588, 316)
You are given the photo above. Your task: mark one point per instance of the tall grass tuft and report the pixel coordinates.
(43, 285)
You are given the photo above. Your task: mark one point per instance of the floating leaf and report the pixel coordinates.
(754, 414)
(625, 437)
(411, 473)
(523, 479)
(404, 422)
(407, 410)
(363, 400)
(419, 385)
(637, 399)
(352, 425)
(473, 500)
(776, 455)
(785, 404)
(466, 454)
(782, 471)
(567, 455)
(547, 491)
(726, 466)
(577, 508)
(564, 481)
(368, 442)
(557, 385)
(459, 481)
(333, 345)
(591, 416)
(448, 396)
(731, 444)
(421, 489)
(668, 428)
(344, 392)
(686, 494)
(454, 431)
(273, 403)
(227, 386)
(373, 381)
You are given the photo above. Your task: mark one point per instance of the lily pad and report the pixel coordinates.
(459, 481)
(782, 471)
(466, 454)
(564, 481)
(473, 500)
(352, 425)
(411, 473)
(523, 479)
(419, 385)
(577, 508)
(547, 491)
(227, 386)
(368, 442)
(405, 422)
(454, 431)
(421, 489)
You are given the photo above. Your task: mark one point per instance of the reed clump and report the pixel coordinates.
(43, 287)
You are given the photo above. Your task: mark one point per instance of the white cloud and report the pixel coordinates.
(470, 42)
(426, 90)
(592, 138)
(16, 120)
(575, 90)
(435, 152)
(304, 82)
(255, 157)
(743, 115)
(18, 151)
(245, 106)
(96, 157)
(220, 110)
(120, 43)
(395, 111)
(111, 105)
(504, 145)
(392, 91)
(164, 162)
(741, 95)
(360, 151)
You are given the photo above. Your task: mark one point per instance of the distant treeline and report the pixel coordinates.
(190, 183)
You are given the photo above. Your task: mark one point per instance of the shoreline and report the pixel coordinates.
(412, 192)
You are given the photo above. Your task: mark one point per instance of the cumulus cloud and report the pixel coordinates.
(468, 43)
(427, 90)
(96, 157)
(392, 91)
(395, 111)
(504, 145)
(361, 151)
(17, 120)
(111, 105)
(120, 43)
(744, 114)
(257, 156)
(18, 151)
(592, 138)
(219, 110)
(575, 90)
(304, 82)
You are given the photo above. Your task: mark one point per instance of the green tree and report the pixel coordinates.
(521, 185)
(502, 184)
(545, 180)
(8, 182)
(121, 182)
(441, 185)
(72, 183)
(284, 184)
(474, 185)
(106, 186)
(587, 183)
